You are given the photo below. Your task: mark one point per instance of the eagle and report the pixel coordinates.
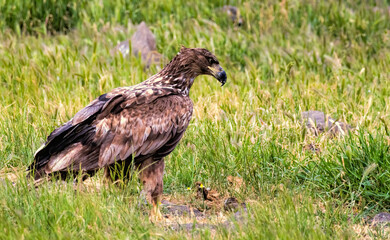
(135, 126)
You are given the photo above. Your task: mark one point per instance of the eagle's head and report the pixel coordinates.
(193, 62)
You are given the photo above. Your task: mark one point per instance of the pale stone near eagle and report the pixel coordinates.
(137, 125)
(143, 42)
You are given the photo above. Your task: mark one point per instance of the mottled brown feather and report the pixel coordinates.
(142, 129)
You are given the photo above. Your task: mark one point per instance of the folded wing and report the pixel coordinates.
(127, 122)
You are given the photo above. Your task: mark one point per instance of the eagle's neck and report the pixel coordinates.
(178, 74)
(182, 82)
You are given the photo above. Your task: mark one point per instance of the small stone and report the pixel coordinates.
(123, 48)
(318, 122)
(181, 210)
(382, 218)
(231, 204)
(234, 14)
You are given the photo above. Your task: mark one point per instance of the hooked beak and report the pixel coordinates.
(218, 72)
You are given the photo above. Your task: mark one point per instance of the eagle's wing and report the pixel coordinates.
(146, 130)
(134, 121)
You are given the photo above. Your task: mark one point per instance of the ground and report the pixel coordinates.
(287, 57)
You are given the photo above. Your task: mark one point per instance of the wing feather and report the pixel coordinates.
(136, 120)
(151, 126)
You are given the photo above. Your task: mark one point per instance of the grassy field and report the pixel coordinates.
(288, 57)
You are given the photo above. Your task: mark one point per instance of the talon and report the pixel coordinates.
(155, 214)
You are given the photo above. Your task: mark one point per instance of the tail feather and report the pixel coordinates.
(61, 140)
(77, 130)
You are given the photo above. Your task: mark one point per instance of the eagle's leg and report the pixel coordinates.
(151, 176)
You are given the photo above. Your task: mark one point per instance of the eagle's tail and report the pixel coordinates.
(68, 148)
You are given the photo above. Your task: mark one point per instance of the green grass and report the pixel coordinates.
(57, 211)
(331, 56)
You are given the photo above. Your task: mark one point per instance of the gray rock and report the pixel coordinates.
(143, 43)
(234, 14)
(192, 226)
(180, 210)
(240, 215)
(382, 218)
(123, 48)
(318, 122)
(231, 204)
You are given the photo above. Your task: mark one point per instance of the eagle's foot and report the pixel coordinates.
(155, 213)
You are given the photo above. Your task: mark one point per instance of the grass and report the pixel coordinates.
(113, 213)
(288, 57)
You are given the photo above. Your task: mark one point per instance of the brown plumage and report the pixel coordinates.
(137, 125)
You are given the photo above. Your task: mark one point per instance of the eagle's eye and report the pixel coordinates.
(211, 61)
